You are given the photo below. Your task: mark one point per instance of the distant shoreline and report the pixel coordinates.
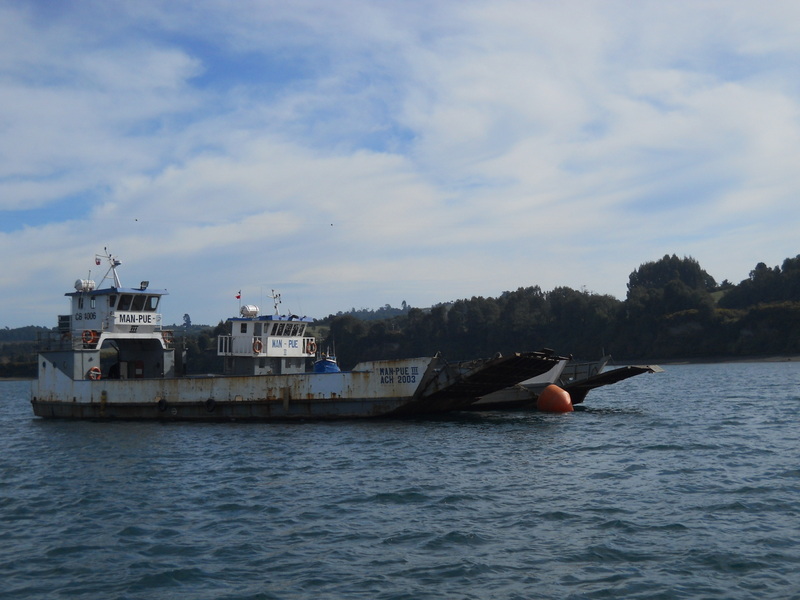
(711, 360)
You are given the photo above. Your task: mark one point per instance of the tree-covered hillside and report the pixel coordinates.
(673, 309)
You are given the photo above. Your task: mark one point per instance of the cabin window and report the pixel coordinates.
(125, 302)
(280, 328)
(274, 329)
(257, 328)
(80, 302)
(243, 328)
(92, 302)
(112, 300)
(138, 302)
(152, 304)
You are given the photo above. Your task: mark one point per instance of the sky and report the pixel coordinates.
(354, 154)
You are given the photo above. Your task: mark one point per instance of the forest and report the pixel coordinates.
(673, 310)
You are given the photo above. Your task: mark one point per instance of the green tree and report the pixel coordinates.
(346, 338)
(766, 285)
(671, 268)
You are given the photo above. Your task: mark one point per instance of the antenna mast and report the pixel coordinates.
(113, 264)
(276, 299)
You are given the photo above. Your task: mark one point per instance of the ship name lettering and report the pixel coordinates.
(135, 319)
(398, 374)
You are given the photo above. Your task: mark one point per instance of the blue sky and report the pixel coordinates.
(356, 154)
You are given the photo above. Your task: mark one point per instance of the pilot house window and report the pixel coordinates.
(125, 302)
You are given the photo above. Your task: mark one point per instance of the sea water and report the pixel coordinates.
(681, 484)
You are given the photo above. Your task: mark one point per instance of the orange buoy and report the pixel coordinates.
(554, 399)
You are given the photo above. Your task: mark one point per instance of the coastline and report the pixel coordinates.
(699, 360)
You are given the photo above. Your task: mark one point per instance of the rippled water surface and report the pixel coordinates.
(682, 484)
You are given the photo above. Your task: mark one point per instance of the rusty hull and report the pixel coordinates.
(401, 387)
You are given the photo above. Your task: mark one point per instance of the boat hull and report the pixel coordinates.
(213, 410)
(403, 387)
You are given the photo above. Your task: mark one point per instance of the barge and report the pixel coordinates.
(111, 359)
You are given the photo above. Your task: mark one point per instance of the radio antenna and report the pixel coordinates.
(113, 263)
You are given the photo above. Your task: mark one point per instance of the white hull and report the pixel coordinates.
(377, 388)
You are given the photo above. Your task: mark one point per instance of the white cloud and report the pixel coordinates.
(360, 153)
